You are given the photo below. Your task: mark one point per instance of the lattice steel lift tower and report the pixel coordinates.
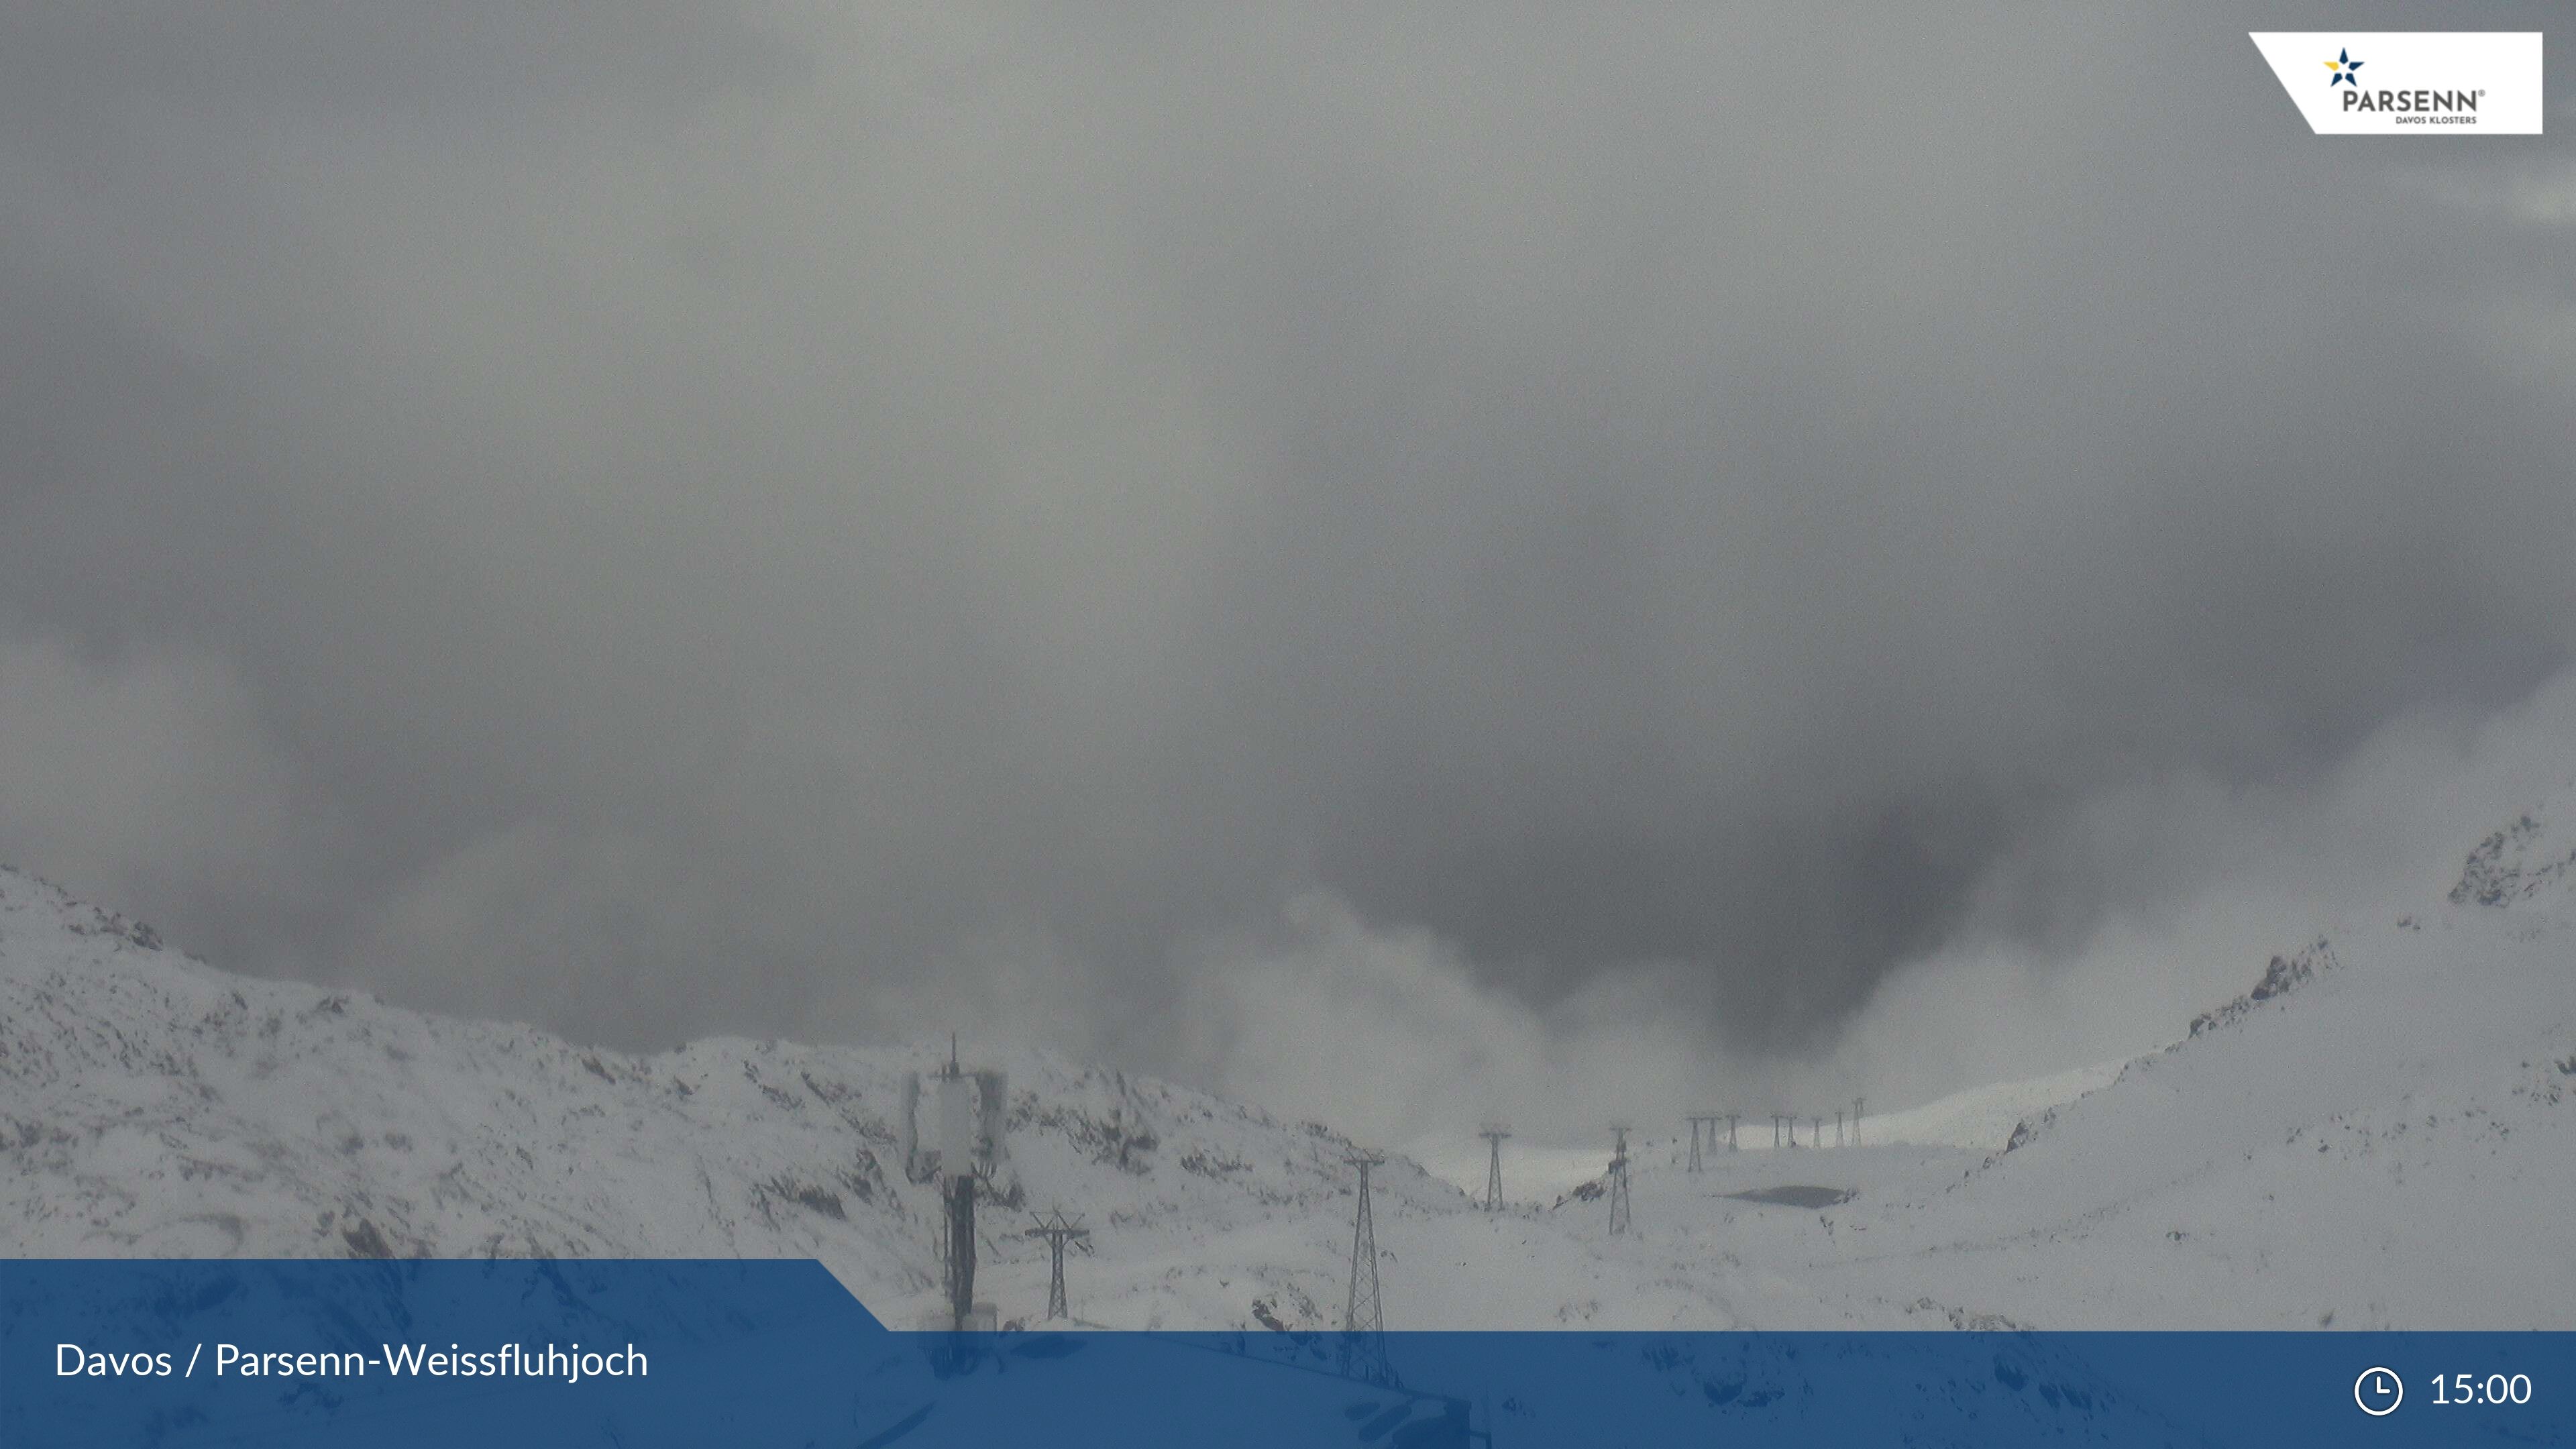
(1698, 1120)
(1363, 1320)
(1494, 1134)
(1619, 1216)
(1059, 1230)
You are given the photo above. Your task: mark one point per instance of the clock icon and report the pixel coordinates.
(2378, 1392)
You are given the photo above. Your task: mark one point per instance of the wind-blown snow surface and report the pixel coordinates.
(1984, 1117)
(2381, 1133)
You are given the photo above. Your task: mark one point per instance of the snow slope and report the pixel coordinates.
(1981, 1118)
(151, 1105)
(2381, 1132)
(1984, 1117)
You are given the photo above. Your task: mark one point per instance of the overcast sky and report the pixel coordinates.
(1191, 533)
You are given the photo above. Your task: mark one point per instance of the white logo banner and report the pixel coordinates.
(2424, 83)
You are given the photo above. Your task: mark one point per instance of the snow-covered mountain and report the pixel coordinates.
(152, 1105)
(2381, 1132)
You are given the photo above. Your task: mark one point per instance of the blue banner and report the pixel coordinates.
(624, 1355)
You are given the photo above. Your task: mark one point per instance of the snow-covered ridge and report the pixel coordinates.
(151, 1105)
(2381, 1132)
(2525, 862)
(2284, 975)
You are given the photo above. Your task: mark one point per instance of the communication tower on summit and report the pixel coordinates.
(971, 1159)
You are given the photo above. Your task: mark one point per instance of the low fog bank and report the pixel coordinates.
(1386, 1030)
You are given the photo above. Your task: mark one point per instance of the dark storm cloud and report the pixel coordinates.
(684, 518)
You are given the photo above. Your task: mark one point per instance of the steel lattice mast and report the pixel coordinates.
(1698, 1121)
(1059, 1230)
(1363, 1318)
(1494, 1134)
(1620, 1222)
